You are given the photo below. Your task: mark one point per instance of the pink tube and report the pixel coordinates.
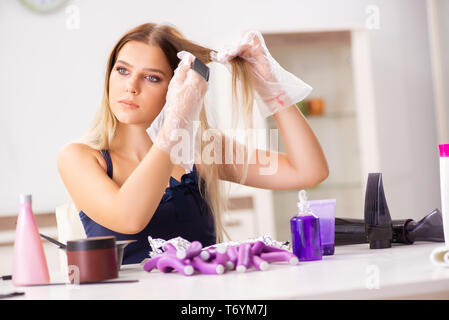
(207, 267)
(259, 263)
(168, 263)
(279, 256)
(151, 264)
(244, 257)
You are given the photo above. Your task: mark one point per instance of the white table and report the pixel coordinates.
(354, 272)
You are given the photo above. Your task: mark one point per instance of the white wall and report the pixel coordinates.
(51, 81)
(405, 103)
(441, 24)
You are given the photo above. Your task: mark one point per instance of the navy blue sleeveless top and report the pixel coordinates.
(182, 212)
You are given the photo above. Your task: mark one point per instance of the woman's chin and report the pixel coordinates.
(126, 119)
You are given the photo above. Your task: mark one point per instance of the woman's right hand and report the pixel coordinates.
(184, 100)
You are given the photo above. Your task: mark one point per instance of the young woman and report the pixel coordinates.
(122, 175)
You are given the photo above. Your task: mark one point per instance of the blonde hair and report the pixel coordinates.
(171, 41)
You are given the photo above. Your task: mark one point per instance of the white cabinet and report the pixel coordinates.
(241, 224)
(337, 65)
(328, 61)
(250, 214)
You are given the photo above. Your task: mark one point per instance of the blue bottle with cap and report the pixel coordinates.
(305, 231)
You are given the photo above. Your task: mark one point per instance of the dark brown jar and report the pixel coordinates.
(92, 259)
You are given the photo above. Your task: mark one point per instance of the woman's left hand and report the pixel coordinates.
(251, 48)
(276, 88)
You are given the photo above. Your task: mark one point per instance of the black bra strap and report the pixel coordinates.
(107, 158)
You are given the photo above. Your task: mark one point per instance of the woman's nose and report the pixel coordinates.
(132, 85)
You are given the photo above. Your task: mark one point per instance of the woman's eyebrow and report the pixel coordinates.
(146, 69)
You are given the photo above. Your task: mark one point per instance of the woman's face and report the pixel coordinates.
(141, 76)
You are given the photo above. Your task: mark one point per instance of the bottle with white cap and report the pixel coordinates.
(305, 231)
(444, 185)
(30, 266)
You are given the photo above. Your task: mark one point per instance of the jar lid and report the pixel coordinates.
(92, 243)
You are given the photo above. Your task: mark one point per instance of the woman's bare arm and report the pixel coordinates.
(126, 209)
(303, 165)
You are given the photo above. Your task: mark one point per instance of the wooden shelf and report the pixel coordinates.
(333, 116)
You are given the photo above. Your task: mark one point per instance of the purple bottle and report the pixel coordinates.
(305, 230)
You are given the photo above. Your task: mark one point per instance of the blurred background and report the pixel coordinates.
(379, 102)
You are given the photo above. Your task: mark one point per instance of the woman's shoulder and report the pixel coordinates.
(79, 150)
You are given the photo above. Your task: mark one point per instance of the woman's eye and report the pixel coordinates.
(150, 78)
(153, 78)
(120, 69)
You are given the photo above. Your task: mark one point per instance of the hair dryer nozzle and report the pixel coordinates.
(429, 228)
(378, 226)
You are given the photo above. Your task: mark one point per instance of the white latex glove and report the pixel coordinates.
(275, 87)
(184, 99)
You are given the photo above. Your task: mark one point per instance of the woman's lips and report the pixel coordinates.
(128, 104)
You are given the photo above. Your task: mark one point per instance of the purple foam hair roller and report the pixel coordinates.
(257, 247)
(232, 253)
(207, 267)
(280, 256)
(152, 263)
(244, 257)
(169, 248)
(205, 255)
(267, 248)
(223, 258)
(168, 263)
(208, 254)
(259, 263)
(192, 251)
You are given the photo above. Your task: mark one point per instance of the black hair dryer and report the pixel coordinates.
(379, 230)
